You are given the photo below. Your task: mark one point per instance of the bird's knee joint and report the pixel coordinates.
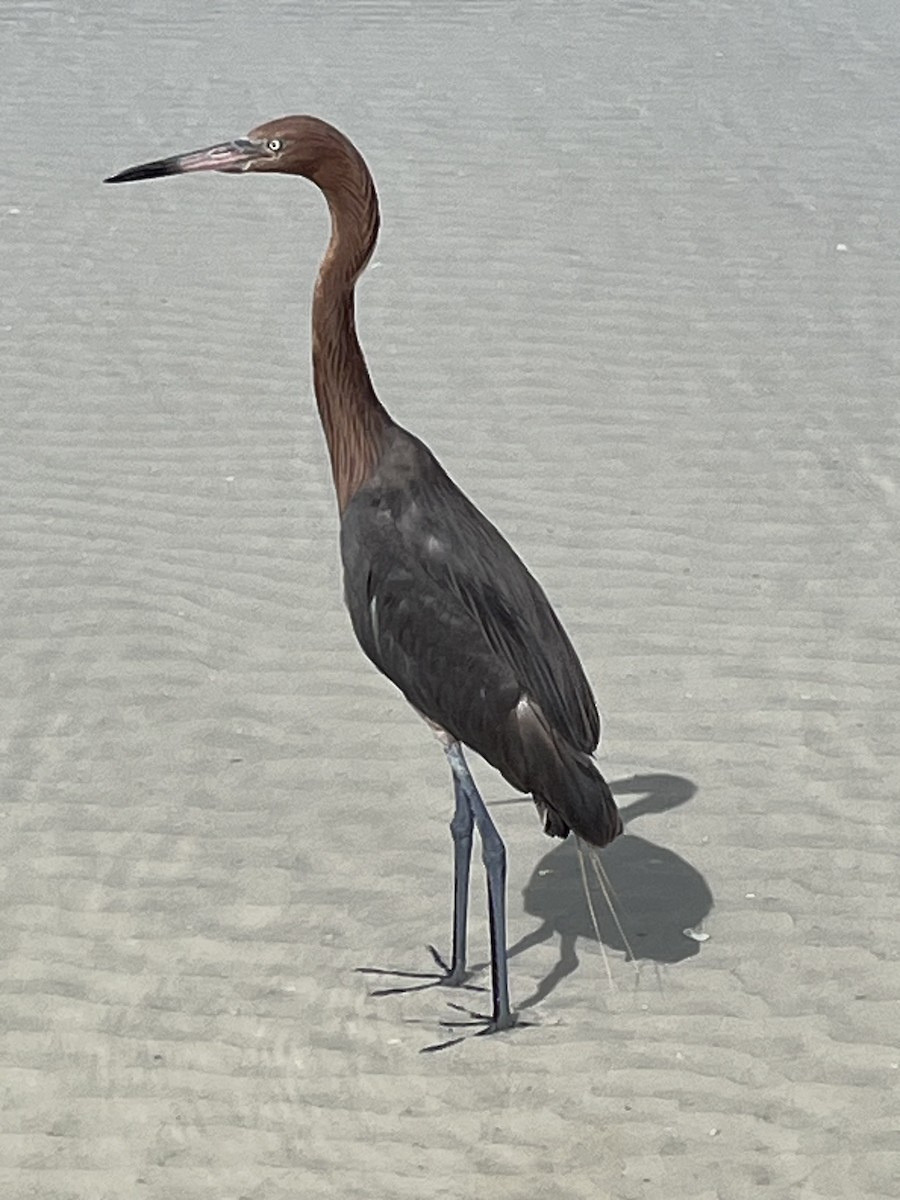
(493, 852)
(461, 826)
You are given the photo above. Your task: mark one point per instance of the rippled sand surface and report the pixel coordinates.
(638, 288)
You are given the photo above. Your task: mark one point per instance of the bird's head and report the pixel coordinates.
(290, 145)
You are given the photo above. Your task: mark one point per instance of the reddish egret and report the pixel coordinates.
(438, 599)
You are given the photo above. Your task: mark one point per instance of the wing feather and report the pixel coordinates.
(446, 609)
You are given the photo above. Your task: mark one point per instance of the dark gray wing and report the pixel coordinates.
(444, 606)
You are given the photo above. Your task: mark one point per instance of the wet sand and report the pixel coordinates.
(638, 289)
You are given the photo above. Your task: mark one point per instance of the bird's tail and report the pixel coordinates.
(579, 799)
(566, 785)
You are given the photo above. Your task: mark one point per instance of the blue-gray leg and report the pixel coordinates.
(461, 832)
(493, 855)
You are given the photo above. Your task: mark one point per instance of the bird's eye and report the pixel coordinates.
(274, 144)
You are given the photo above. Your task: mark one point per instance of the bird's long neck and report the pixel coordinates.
(353, 418)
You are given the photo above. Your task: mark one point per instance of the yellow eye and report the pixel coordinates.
(274, 144)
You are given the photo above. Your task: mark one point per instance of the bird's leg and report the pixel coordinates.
(493, 855)
(461, 831)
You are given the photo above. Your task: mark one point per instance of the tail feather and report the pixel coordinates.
(579, 799)
(567, 787)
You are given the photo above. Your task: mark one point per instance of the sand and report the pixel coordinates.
(638, 287)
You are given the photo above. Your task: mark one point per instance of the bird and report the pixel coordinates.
(438, 599)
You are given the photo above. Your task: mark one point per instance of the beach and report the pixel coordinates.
(637, 287)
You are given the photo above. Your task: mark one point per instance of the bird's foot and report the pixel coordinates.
(479, 1025)
(446, 976)
(484, 1024)
(452, 976)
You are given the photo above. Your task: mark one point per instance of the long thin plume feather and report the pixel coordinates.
(608, 895)
(590, 903)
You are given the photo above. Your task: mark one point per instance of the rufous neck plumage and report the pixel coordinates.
(353, 418)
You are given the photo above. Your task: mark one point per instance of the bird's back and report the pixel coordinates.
(444, 607)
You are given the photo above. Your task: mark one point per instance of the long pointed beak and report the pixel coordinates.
(226, 156)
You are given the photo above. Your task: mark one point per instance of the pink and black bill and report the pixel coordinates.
(230, 157)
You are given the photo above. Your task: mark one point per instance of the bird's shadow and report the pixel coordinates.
(657, 893)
